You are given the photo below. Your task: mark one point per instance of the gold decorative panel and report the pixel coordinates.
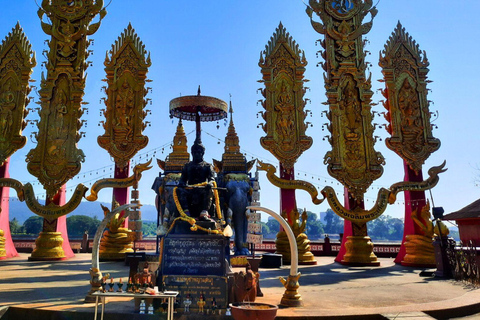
(17, 60)
(283, 66)
(56, 158)
(405, 70)
(126, 70)
(353, 160)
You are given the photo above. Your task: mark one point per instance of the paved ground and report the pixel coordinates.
(329, 290)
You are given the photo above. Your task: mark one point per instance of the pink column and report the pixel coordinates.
(60, 224)
(414, 200)
(121, 195)
(4, 214)
(288, 201)
(349, 203)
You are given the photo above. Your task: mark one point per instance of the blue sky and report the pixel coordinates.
(217, 44)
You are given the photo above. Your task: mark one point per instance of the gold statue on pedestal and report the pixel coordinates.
(305, 256)
(419, 247)
(116, 240)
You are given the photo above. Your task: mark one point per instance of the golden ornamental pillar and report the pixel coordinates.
(283, 66)
(353, 160)
(56, 158)
(405, 68)
(17, 60)
(126, 67)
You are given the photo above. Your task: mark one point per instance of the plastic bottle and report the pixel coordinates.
(150, 309)
(142, 306)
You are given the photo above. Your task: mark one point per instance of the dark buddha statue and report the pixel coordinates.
(195, 187)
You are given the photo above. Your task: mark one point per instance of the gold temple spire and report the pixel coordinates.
(232, 158)
(179, 156)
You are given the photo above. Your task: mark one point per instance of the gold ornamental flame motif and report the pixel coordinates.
(283, 65)
(405, 70)
(56, 158)
(16, 62)
(353, 160)
(126, 70)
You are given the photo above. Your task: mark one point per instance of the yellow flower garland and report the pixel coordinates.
(191, 220)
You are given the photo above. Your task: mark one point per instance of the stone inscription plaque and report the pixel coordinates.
(194, 255)
(210, 286)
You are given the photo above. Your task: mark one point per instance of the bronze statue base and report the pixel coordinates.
(359, 252)
(305, 256)
(48, 246)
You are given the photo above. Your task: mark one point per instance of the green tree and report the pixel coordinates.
(334, 222)
(396, 229)
(78, 224)
(311, 217)
(265, 228)
(378, 229)
(15, 227)
(273, 225)
(315, 229)
(149, 229)
(33, 225)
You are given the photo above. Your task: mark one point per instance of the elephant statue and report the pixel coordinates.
(236, 200)
(165, 203)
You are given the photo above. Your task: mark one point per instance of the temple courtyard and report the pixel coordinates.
(56, 290)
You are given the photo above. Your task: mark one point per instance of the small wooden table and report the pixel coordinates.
(161, 295)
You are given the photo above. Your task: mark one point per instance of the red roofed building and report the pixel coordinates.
(468, 221)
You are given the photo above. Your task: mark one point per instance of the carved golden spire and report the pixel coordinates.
(126, 70)
(56, 158)
(179, 156)
(404, 67)
(283, 67)
(16, 62)
(232, 158)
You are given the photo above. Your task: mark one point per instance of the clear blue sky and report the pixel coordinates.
(217, 44)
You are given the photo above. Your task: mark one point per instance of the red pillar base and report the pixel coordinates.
(9, 247)
(414, 200)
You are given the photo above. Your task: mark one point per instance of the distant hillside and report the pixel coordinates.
(20, 210)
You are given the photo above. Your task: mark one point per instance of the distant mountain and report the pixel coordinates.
(20, 210)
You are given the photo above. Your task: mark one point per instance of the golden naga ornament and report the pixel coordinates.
(17, 60)
(353, 160)
(126, 70)
(283, 65)
(56, 158)
(405, 70)
(358, 215)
